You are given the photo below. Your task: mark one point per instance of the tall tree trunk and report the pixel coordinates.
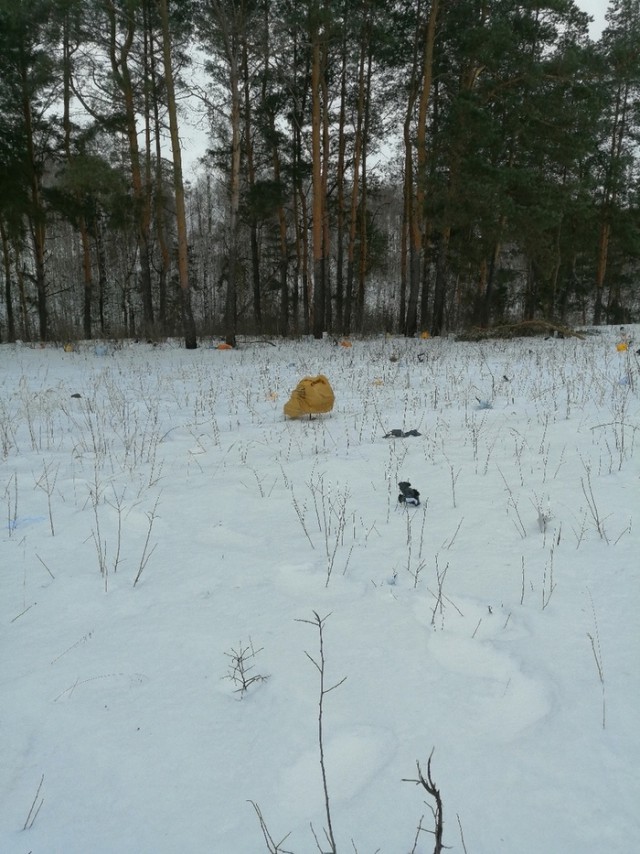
(304, 274)
(425, 276)
(87, 267)
(340, 187)
(150, 96)
(229, 22)
(189, 329)
(24, 310)
(282, 236)
(326, 230)
(87, 279)
(351, 295)
(364, 212)
(302, 277)
(251, 181)
(318, 200)
(610, 195)
(620, 41)
(163, 237)
(37, 216)
(6, 263)
(405, 227)
(416, 219)
(411, 232)
(119, 59)
(283, 251)
(160, 206)
(230, 313)
(440, 289)
(103, 295)
(270, 116)
(487, 299)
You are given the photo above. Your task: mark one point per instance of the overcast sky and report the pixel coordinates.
(597, 9)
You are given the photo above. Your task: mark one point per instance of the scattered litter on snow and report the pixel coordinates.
(481, 624)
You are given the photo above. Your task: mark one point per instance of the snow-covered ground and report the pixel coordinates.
(162, 524)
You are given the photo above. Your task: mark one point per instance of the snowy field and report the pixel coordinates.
(163, 528)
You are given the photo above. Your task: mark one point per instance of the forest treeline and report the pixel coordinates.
(397, 165)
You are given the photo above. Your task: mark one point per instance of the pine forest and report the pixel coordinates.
(402, 166)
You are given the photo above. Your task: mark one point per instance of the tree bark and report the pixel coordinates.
(251, 181)
(416, 218)
(364, 212)
(119, 58)
(318, 201)
(160, 201)
(340, 187)
(37, 218)
(6, 263)
(188, 323)
(351, 295)
(440, 289)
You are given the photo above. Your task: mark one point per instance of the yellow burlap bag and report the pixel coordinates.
(312, 395)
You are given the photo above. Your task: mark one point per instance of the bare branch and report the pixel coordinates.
(272, 847)
(318, 622)
(430, 787)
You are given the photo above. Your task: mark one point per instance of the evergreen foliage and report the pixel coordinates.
(407, 165)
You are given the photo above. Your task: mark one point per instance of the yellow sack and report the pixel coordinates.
(311, 395)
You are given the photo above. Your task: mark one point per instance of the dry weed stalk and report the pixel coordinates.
(587, 491)
(47, 483)
(440, 577)
(512, 501)
(35, 807)
(597, 655)
(146, 551)
(414, 572)
(428, 784)
(320, 665)
(300, 513)
(241, 667)
(12, 503)
(548, 574)
(273, 847)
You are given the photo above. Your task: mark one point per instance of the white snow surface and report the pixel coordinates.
(496, 624)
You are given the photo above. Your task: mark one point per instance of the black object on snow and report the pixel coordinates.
(400, 434)
(408, 495)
